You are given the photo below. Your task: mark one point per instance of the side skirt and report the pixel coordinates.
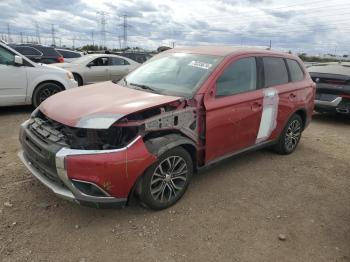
(238, 153)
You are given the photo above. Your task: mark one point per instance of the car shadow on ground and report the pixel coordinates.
(331, 118)
(8, 110)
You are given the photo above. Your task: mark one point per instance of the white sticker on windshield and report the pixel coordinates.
(200, 64)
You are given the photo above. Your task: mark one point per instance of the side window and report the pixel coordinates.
(6, 57)
(115, 61)
(296, 73)
(101, 61)
(28, 51)
(68, 54)
(275, 71)
(239, 77)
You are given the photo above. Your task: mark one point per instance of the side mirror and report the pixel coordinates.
(89, 65)
(18, 60)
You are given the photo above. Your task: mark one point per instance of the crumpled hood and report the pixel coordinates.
(99, 105)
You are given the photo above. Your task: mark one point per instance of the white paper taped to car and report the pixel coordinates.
(268, 120)
(200, 64)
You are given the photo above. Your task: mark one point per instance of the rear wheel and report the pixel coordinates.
(165, 182)
(290, 136)
(44, 91)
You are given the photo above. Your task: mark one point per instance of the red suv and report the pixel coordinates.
(148, 133)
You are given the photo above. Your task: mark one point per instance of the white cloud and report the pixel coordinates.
(303, 26)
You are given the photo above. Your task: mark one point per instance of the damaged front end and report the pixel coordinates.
(99, 166)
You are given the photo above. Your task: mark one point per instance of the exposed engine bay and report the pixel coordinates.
(148, 123)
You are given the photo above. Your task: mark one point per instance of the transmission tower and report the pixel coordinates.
(125, 30)
(37, 33)
(53, 35)
(103, 27)
(8, 33)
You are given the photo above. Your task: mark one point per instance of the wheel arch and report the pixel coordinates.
(79, 75)
(160, 144)
(303, 114)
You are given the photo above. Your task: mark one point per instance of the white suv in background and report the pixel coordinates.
(25, 82)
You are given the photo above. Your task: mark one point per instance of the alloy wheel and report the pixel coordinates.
(169, 179)
(293, 135)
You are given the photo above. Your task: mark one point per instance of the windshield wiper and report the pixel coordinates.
(143, 86)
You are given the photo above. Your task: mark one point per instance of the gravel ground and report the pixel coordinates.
(257, 207)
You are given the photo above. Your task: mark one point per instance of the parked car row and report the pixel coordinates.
(332, 87)
(99, 67)
(148, 133)
(26, 82)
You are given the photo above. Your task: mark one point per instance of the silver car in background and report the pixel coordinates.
(99, 67)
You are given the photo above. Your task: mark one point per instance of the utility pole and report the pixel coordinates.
(21, 34)
(8, 33)
(92, 38)
(270, 46)
(37, 33)
(53, 35)
(173, 44)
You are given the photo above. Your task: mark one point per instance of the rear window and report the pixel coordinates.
(69, 54)
(296, 73)
(26, 50)
(275, 71)
(48, 51)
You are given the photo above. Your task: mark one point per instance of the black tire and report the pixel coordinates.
(44, 91)
(159, 191)
(290, 137)
(78, 79)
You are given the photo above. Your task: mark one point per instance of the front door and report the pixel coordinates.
(234, 109)
(97, 71)
(13, 79)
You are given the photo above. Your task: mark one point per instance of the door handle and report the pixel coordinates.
(292, 95)
(256, 106)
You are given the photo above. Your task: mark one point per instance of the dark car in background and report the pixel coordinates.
(332, 87)
(39, 53)
(69, 55)
(139, 57)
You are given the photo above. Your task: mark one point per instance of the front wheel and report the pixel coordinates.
(165, 182)
(290, 136)
(44, 91)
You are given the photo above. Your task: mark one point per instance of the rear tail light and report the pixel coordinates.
(60, 59)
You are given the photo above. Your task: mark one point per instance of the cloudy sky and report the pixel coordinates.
(312, 26)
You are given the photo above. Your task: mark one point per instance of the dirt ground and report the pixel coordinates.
(234, 211)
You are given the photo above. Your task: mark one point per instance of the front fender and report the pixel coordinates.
(159, 145)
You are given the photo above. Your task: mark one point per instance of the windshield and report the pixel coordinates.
(177, 74)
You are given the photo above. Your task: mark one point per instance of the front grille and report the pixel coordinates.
(39, 151)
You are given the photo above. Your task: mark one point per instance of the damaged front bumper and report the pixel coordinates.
(98, 178)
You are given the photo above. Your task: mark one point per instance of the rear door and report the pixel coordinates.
(277, 82)
(97, 70)
(119, 67)
(233, 110)
(13, 79)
